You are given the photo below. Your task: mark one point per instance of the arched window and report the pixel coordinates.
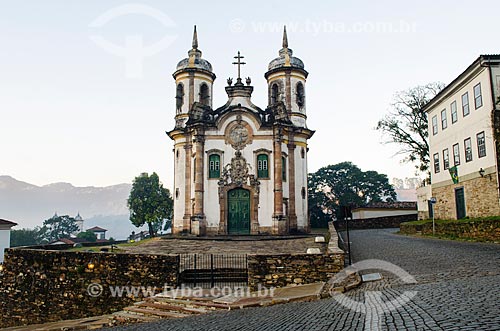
(283, 168)
(300, 97)
(303, 192)
(179, 97)
(262, 166)
(302, 152)
(204, 96)
(274, 94)
(214, 166)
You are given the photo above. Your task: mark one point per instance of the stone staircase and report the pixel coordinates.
(171, 305)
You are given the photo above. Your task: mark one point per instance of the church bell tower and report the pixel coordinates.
(194, 81)
(286, 80)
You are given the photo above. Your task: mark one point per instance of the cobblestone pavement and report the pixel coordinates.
(458, 289)
(238, 245)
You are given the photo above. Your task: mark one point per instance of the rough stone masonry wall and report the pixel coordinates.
(481, 198)
(377, 222)
(288, 269)
(40, 286)
(471, 229)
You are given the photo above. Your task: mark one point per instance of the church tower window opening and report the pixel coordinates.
(179, 97)
(262, 166)
(214, 166)
(300, 97)
(274, 94)
(204, 96)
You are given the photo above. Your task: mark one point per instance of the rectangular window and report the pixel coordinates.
(444, 122)
(465, 104)
(454, 115)
(262, 166)
(468, 150)
(478, 99)
(436, 163)
(481, 144)
(283, 168)
(214, 166)
(434, 125)
(456, 155)
(446, 159)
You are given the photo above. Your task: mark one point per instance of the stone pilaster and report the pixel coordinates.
(186, 227)
(199, 215)
(279, 220)
(292, 216)
(191, 90)
(288, 90)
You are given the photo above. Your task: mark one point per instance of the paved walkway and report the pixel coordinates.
(239, 245)
(458, 289)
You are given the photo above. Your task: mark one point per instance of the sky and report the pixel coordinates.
(86, 87)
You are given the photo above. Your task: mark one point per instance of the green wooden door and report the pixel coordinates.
(238, 220)
(460, 202)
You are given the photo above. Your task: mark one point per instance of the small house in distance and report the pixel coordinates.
(100, 233)
(5, 227)
(380, 215)
(385, 209)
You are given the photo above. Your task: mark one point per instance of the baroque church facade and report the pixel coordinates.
(239, 168)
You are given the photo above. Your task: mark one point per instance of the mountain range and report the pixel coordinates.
(29, 205)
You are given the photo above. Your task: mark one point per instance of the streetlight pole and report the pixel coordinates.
(348, 239)
(433, 200)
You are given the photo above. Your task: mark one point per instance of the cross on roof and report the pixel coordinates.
(239, 63)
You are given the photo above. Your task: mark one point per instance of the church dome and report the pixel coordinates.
(286, 58)
(198, 64)
(78, 217)
(194, 60)
(280, 61)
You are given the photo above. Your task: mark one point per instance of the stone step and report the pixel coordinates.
(170, 307)
(193, 303)
(154, 312)
(127, 317)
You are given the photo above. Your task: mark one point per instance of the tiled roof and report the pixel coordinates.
(393, 205)
(97, 229)
(5, 222)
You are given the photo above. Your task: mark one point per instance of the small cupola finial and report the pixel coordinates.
(195, 39)
(285, 38)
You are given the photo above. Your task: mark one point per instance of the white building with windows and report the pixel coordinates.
(240, 169)
(5, 227)
(463, 121)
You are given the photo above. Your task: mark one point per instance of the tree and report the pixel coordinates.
(88, 236)
(149, 203)
(59, 227)
(27, 237)
(344, 185)
(406, 123)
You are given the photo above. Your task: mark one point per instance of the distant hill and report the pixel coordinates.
(29, 205)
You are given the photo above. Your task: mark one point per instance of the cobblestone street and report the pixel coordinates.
(457, 289)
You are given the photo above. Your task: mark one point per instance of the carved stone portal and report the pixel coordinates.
(234, 175)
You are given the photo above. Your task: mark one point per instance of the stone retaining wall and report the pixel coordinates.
(39, 286)
(481, 229)
(288, 269)
(377, 222)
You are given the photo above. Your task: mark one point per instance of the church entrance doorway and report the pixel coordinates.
(238, 219)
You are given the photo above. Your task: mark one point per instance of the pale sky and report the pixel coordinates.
(71, 111)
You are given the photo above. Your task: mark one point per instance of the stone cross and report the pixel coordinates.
(239, 63)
